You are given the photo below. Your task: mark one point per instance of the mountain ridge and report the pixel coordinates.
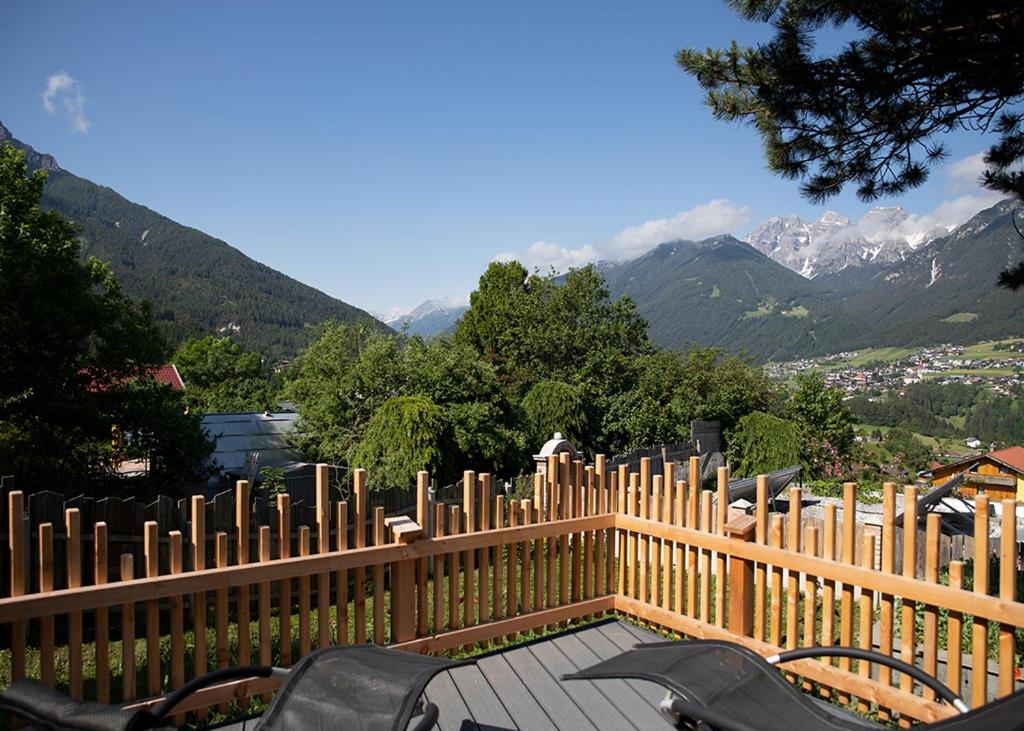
(198, 284)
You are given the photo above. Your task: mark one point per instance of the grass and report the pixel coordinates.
(961, 317)
(987, 351)
(968, 372)
(798, 311)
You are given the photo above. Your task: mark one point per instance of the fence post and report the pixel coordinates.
(403, 582)
(741, 578)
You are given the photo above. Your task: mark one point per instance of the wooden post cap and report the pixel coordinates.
(742, 527)
(403, 528)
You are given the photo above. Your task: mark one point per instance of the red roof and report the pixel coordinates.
(168, 374)
(165, 374)
(1011, 456)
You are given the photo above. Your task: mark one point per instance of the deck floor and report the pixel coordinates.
(521, 687)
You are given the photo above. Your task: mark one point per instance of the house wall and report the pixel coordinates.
(987, 468)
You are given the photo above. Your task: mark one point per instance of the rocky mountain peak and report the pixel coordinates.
(36, 160)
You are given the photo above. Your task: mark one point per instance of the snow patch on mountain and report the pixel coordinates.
(833, 242)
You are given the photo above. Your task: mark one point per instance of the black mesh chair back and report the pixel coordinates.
(358, 687)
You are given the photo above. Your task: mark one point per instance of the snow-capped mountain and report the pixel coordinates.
(833, 242)
(431, 317)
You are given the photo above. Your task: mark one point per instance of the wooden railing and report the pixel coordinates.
(590, 542)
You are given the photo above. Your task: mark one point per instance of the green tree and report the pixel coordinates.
(870, 113)
(673, 388)
(761, 443)
(406, 434)
(74, 359)
(554, 406)
(220, 377)
(909, 454)
(825, 423)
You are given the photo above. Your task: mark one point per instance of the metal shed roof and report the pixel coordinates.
(239, 435)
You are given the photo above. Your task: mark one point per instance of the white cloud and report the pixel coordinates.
(714, 217)
(965, 174)
(63, 90)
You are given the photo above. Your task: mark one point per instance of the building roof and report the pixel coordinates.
(263, 433)
(1011, 457)
(168, 374)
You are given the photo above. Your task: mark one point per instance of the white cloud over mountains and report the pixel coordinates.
(714, 217)
(63, 91)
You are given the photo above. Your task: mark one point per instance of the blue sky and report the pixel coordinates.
(386, 152)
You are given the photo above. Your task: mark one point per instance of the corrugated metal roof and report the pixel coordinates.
(238, 435)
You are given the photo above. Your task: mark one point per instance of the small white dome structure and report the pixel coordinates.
(554, 446)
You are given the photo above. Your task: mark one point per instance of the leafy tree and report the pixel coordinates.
(534, 327)
(673, 388)
(761, 443)
(909, 454)
(406, 435)
(825, 423)
(220, 377)
(74, 357)
(869, 114)
(554, 406)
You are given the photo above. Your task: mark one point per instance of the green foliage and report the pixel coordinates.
(220, 377)
(825, 423)
(673, 388)
(761, 443)
(869, 114)
(74, 354)
(272, 481)
(554, 406)
(347, 375)
(910, 455)
(404, 436)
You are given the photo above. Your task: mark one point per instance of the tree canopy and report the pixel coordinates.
(75, 353)
(220, 377)
(871, 114)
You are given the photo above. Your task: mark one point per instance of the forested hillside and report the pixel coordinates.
(198, 284)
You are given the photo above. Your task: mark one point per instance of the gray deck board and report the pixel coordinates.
(516, 697)
(549, 693)
(485, 706)
(621, 694)
(452, 709)
(614, 639)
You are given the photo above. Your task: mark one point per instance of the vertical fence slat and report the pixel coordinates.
(323, 545)
(46, 624)
(305, 638)
(359, 524)
(979, 635)
(538, 545)
(666, 545)
(102, 615)
(866, 613)
(692, 553)
(220, 556)
(284, 586)
(679, 579)
(468, 557)
(263, 602)
(954, 633)
(511, 575)
(151, 549)
(775, 625)
(379, 539)
(828, 591)
(565, 512)
(721, 518)
(526, 605)
(243, 608)
(885, 604)
(454, 524)
(848, 557)
(127, 633)
(423, 519)
(793, 577)
(907, 637)
(705, 558)
(810, 595)
(177, 620)
(484, 554)
(1007, 592)
(643, 542)
(199, 598)
(931, 615)
(438, 586)
(760, 569)
(16, 545)
(655, 543)
(498, 578)
(73, 550)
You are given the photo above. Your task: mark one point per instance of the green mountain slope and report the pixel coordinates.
(723, 292)
(198, 284)
(945, 292)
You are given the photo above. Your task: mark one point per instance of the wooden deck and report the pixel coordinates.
(521, 687)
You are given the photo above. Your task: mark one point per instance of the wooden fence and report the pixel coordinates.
(607, 541)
